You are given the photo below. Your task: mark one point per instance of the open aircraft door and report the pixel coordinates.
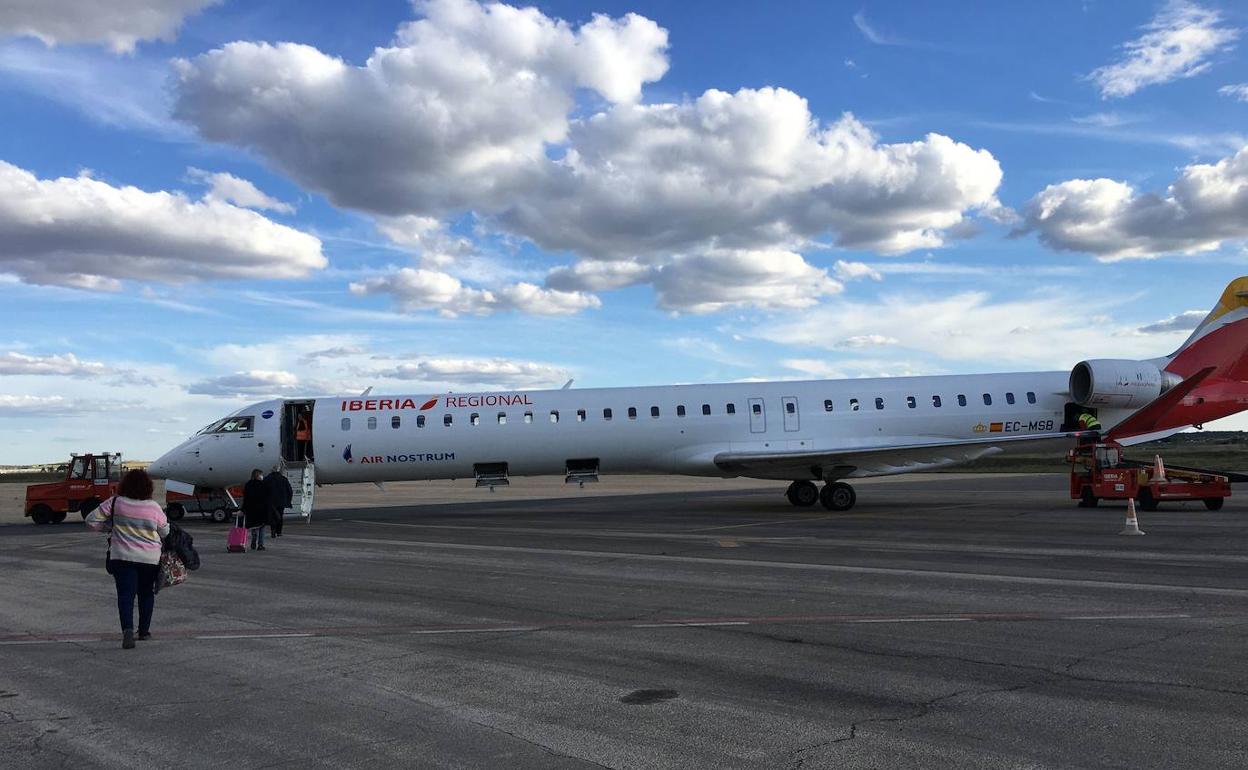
(302, 478)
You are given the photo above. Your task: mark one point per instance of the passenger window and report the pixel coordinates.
(1009, 398)
(395, 421)
(961, 400)
(680, 410)
(420, 421)
(1031, 397)
(936, 401)
(346, 423)
(911, 402)
(606, 414)
(632, 413)
(502, 418)
(706, 409)
(447, 420)
(654, 411)
(853, 405)
(474, 419)
(554, 415)
(879, 403)
(790, 407)
(758, 408)
(730, 408)
(827, 405)
(528, 417)
(580, 415)
(372, 423)
(987, 400)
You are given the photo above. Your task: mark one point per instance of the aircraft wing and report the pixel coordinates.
(873, 460)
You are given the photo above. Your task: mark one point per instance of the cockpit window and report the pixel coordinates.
(234, 425)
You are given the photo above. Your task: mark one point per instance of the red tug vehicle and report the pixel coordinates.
(89, 480)
(1099, 472)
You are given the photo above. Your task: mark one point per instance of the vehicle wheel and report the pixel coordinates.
(837, 496)
(86, 506)
(1214, 503)
(57, 517)
(41, 514)
(220, 515)
(803, 494)
(1087, 499)
(1146, 499)
(175, 512)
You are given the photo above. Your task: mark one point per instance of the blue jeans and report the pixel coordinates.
(257, 536)
(135, 578)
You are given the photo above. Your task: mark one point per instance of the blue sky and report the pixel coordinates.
(211, 203)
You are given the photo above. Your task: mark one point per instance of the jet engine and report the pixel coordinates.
(1115, 383)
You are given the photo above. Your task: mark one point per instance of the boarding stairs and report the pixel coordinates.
(302, 478)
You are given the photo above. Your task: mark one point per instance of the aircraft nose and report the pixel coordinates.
(164, 466)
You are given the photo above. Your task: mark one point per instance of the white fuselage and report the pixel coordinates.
(392, 438)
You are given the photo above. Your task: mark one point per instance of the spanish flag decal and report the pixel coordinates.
(996, 427)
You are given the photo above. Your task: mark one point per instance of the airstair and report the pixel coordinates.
(302, 478)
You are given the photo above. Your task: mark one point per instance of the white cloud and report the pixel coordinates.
(1178, 43)
(1200, 210)
(257, 383)
(120, 24)
(968, 326)
(1185, 321)
(851, 271)
(868, 341)
(497, 372)
(768, 279)
(419, 289)
(1237, 91)
(227, 188)
(874, 35)
(455, 114)
(58, 406)
(67, 365)
(84, 233)
(471, 111)
(339, 351)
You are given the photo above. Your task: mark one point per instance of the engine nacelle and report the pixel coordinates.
(1115, 383)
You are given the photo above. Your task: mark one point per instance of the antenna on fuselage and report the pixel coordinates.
(566, 385)
(367, 390)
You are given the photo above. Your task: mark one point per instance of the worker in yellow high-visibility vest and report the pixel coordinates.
(1088, 421)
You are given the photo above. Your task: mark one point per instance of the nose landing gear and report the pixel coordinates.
(835, 495)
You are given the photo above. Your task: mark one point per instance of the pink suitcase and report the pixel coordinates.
(236, 541)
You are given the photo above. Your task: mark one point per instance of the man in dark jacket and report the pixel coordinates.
(280, 498)
(256, 511)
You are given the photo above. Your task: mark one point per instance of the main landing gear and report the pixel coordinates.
(835, 495)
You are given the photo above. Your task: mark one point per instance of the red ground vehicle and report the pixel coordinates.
(1099, 472)
(90, 479)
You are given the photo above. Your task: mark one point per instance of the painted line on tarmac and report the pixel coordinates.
(985, 577)
(594, 625)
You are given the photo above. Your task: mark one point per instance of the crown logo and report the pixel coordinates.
(980, 428)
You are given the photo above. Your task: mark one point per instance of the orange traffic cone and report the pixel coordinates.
(1159, 470)
(1133, 525)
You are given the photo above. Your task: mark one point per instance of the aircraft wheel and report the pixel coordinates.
(175, 512)
(220, 515)
(803, 494)
(86, 506)
(1214, 503)
(1087, 499)
(41, 514)
(837, 496)
(1146, 500)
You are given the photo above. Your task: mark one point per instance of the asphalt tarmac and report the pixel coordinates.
(945, 622)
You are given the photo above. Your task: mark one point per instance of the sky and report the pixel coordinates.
(207, 203)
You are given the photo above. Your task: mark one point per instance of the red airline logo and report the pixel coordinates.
(387, 404)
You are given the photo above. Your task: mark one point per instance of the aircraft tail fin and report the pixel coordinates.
(1220, 340)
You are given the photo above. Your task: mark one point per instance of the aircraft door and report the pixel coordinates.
(758, 416)
(791, 417)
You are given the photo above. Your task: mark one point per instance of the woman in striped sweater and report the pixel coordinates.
(136, 525)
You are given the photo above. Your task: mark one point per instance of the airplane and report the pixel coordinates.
(803, 432)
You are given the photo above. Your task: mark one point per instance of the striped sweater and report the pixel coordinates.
(136, 527)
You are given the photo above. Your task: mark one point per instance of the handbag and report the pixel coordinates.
(172, 570)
